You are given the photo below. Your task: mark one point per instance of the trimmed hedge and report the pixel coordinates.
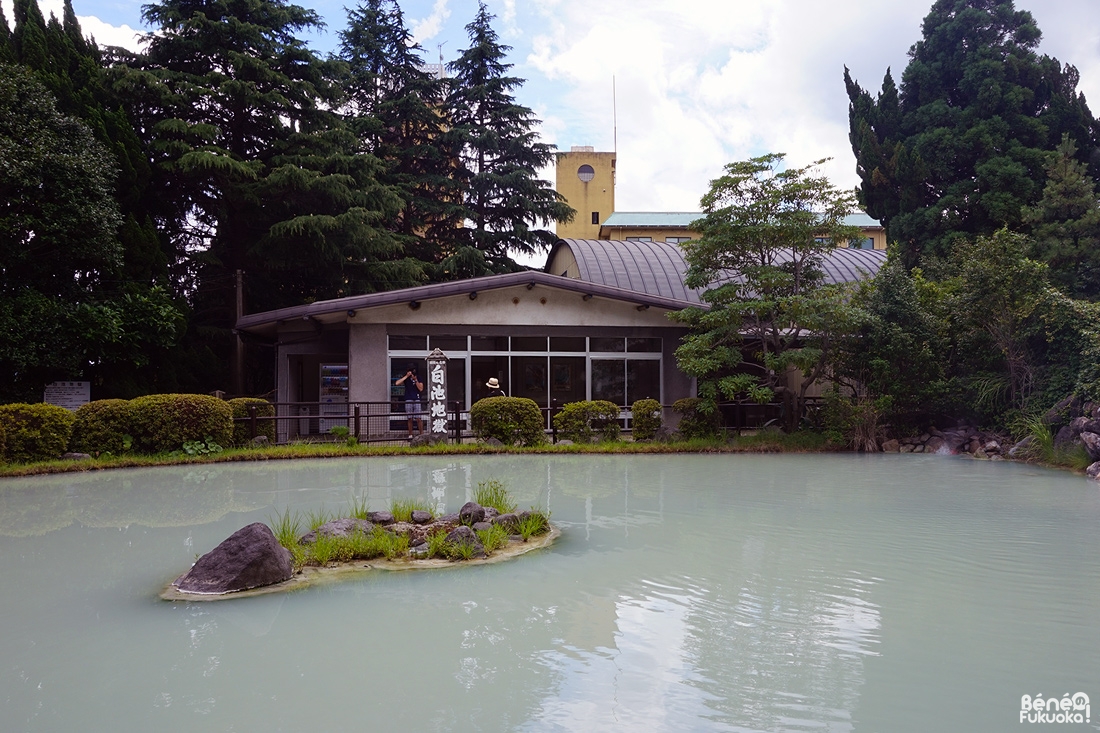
(694, 423)
(241, 430)
(511, 420)
(102, 426)
(38, 432)
(647, 419)
(583, 421)
(164, 422)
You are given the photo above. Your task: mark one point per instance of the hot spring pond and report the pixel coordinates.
(686, 593)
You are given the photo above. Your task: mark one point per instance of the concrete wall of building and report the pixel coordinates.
(520, 307)
(368, 372)
(594, 199)
(655, 234)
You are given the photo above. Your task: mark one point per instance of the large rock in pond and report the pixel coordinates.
(463, 535)
(1093, 471)
(471, 512)
(1091, 442)
(251, 557)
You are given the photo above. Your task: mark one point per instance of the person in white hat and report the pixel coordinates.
(494, 388)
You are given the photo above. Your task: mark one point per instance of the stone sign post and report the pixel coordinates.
(437, 393)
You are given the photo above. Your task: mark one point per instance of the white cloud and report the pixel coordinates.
(104, 33)
(428, 28)
(701, 83)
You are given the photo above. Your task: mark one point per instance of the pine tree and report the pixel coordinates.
(7, 46)
(960, 150)
(1066, 225)
(500, 155)
(268, 181)
(395, 106)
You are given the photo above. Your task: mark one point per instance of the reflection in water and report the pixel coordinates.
(736, 593)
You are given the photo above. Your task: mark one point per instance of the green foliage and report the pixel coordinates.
(102, 426)
(533, 523)
(1066, 224)
(511, 420)
(394, 107)
(37, 432)
(492, 539)
(696, 421)
(359, 508)
(855, 421)
(492, 493)
(205, 447)
(499, 157)
(241, 409)
(773, 225)
(317, 517)
(438, 545)
(165, 422)
(402, 509)
(959, 151)
(583, 421)
(646, 419)
(286, 527)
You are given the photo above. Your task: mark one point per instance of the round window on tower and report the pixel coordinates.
(586, 173)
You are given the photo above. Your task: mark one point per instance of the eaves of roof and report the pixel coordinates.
(337, 310)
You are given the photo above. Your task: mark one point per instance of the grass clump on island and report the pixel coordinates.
(381, 543)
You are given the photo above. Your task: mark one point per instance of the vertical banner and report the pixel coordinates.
(437, 393)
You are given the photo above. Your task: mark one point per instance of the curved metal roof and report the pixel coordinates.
(658, 268)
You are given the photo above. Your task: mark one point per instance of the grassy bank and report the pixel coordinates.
(762, 443)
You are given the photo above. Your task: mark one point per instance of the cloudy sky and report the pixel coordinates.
(698, 83)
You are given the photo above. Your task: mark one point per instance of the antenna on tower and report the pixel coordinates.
(614, 119)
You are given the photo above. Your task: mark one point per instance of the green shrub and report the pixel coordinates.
(511, 420)
(38, 432)
(582, 421)
(242, 428)
(102, 426)
(646, 419)
(855, 422)
(694, 422)
(164, 422)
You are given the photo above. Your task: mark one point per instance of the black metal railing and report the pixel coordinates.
(388, 423)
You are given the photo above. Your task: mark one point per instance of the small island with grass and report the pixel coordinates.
(264, 559)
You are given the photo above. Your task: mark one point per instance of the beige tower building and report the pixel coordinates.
(587, 181)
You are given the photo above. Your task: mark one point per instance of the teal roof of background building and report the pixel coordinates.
(652, 218)
(661, 219)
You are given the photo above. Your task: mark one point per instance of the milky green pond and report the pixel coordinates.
(687, 593)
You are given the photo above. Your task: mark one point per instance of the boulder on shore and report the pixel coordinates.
(471, 513)
(1091, 442)
(251, 557)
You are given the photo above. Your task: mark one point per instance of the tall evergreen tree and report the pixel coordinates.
(1066, 225)
(395, 105)
(961, 149)
(60, 309)
(7, 47)
(269, 183)
(500, 155)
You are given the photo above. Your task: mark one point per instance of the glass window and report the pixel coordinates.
(567, 343)
(567, 379)
(528, 343)
(447, 343)
(408, 343)
(456, 382)
(609, 380)
(489, 343)
(643, 380)
(677, 240)
(648, 345)
(484, 367)
(639, 239)
(529, 379)
(596, 217)
(606, 344)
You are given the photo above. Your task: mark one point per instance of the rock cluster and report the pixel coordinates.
(962, 439)
(1072, 421)
(460, 527)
